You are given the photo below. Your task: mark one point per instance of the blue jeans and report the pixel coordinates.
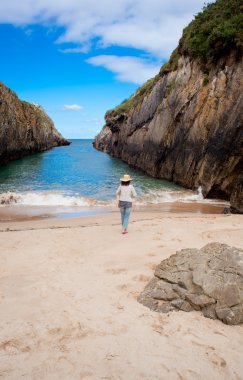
(125, 213)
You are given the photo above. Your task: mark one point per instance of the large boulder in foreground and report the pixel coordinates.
(208, 279)
(24, 128)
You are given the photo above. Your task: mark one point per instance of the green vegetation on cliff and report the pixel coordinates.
(135, 99)
(213, 33)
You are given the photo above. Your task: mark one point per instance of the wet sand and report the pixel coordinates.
(23, 213)
(68, 290)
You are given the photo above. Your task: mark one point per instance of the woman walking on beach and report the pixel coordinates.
(125, 195)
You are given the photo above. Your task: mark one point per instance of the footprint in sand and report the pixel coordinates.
(151, 266)
(62, 337)
(122, 287)
(134, 295)
(151, 254)
(175, 239)
(110, 356)
(189, 374)
(118, 306)
(130, 293)
(219, 333)
(86, 374)
(157, 238)
(217, 360)
(150, 225)
(141, 277)
(114, 328)
(213, 356)
(116, 270)
(13, 346)
(158, 328)
(159, 325)
(53, 366)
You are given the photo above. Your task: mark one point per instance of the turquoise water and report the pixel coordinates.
(78, 175)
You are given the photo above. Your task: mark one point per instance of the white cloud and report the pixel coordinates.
(127, 69)
(28, 32)
(152, 25)
(74, 50)
(73, 107)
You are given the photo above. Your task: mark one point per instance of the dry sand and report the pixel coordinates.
(68, 293)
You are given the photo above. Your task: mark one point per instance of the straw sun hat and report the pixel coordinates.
(126, 178)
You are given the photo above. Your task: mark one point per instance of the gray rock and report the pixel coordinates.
(209, 312)
(200, 299)
(182, 305)
(236, 198)
(208, 279)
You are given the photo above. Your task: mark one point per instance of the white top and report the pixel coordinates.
(126, 193)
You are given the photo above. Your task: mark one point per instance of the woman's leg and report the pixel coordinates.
(122, 211)
(127, 213)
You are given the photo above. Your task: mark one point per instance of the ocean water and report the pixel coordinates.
(80, 176)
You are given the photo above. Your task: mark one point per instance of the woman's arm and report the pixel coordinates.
(118, 192)
(133, 191)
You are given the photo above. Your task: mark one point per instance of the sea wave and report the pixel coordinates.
(181, 196)
(55, 198)
(37, 198)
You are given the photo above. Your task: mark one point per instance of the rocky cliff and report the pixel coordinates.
(24, 128)
(186, 124)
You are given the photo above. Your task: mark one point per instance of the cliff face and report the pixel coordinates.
(186, 124)
(188, 129)
(24, 128)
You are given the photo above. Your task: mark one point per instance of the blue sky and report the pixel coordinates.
(79, 58)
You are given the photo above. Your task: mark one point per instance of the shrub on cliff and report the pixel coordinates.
(215, 31)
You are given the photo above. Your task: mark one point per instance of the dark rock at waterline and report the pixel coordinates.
(236, 199)
(208, 279)
(24, 128)
(227, 210)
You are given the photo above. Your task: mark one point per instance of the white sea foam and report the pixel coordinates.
(183, 196)
(36, 198)
(55, 198)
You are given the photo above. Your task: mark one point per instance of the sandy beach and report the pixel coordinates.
(68, 297)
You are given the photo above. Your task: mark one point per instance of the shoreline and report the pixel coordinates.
(20, 213)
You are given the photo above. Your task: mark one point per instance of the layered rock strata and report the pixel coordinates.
(187, 129)
(208, 279)
(186, 124)
(24, 128)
